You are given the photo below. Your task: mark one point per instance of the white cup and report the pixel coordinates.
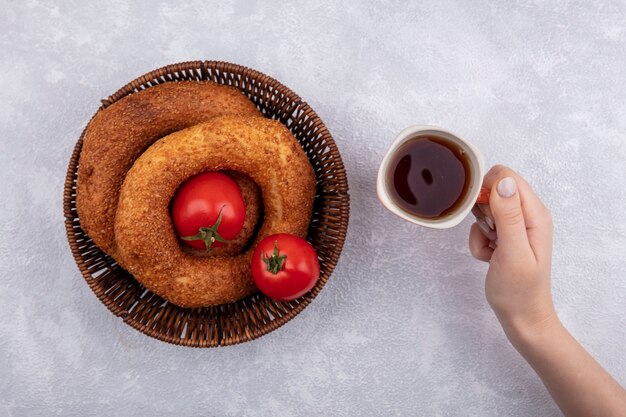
(477, 171)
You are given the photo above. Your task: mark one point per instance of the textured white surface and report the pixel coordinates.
(402, 328)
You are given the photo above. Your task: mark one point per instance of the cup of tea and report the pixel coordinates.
(431, 177)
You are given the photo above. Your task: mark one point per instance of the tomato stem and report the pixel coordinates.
(209, 234)
(274, 263)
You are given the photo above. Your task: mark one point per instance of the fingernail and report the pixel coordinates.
(507, 187)
(490, 223)
(483, 225)
(477, 212)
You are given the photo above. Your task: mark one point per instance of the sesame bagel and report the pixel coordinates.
(146, 242)
(118, 135)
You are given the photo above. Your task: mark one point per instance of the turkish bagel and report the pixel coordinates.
(147, 244)
(118, 134)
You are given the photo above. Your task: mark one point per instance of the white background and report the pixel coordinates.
(402, 328)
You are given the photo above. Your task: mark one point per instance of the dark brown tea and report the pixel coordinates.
(430, 176)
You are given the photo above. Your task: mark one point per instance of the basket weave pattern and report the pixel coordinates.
(252, 316)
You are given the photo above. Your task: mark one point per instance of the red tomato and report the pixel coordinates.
(208, 210)
(284, 267)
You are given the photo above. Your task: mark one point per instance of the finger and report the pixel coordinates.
(507, 213)
(485, 229)
(537, 217)
(484, 220)
(479, 244)
(482, 211)
(487, 215)
(477, 211)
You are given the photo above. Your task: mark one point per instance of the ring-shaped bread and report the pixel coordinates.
(264, 150)
(119, 134)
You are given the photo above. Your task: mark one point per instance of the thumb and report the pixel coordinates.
(507, 214)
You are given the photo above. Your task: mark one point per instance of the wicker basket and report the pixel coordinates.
(255, 315)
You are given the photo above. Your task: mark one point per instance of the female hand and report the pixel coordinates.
(514, 234)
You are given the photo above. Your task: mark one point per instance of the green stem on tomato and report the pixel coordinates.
(209, 234)
(274, 263)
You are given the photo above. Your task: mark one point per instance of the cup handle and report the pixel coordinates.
(483, 196)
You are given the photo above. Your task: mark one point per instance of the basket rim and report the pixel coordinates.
(205, 68)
